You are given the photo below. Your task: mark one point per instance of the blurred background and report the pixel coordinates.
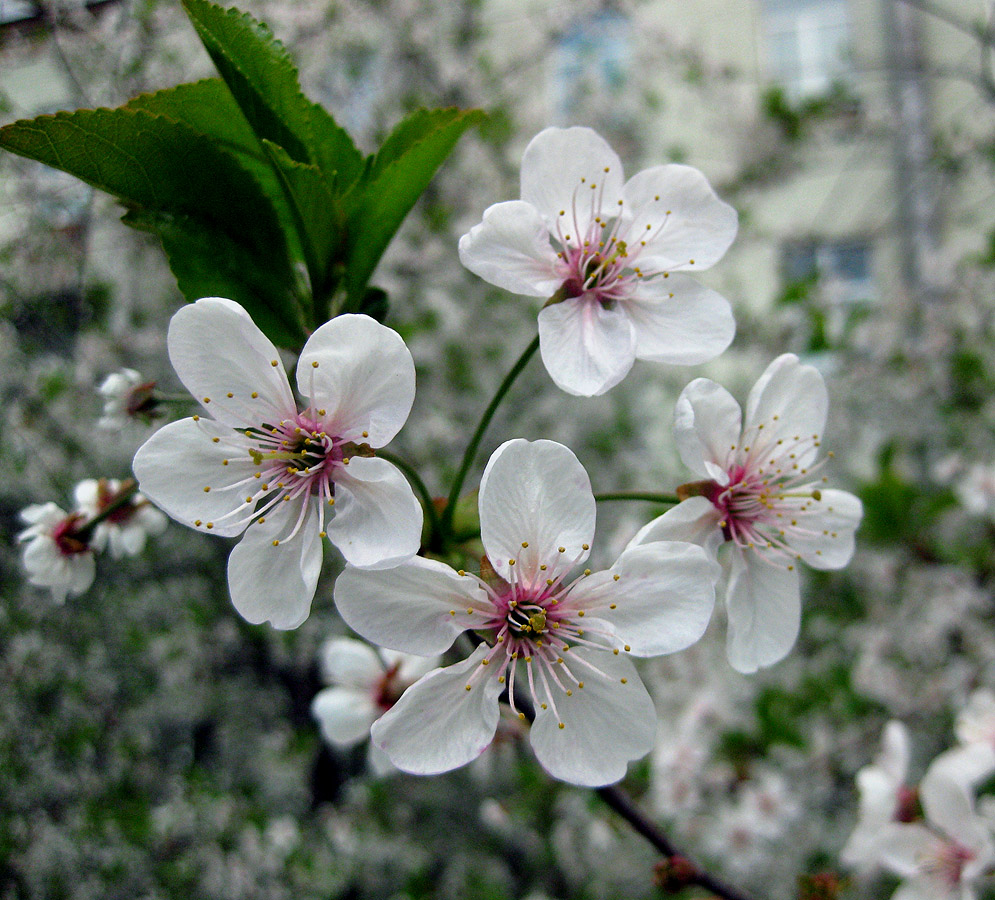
(153, 745)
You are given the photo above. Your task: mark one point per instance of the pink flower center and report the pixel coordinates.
(65, 536)
(948, 861)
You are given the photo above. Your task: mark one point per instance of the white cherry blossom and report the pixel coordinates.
(610, 256)
(287, 477)
(363, 684)
(973, 759)
(761, 506)
(55, 557)
(127, 396)
(941, 858)
(125, 531)
(885, 797)
(563, 641)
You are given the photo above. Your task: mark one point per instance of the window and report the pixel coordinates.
(807, 45)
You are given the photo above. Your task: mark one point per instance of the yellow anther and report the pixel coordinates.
(580, 684)
(580, 612)
(229, 395)
(543, 705)
(314, 365)
(468, 687)
(276, 543)
(500, 679)
(624, 680)
(542, 568)
(585, 546)
(615, 651)
(215, 440)
(521, 716)
(452, 612)
(511, 562)
(274, 363)
(197, 522)
(615, 578)
(525, 544)
(207, 399)
(207, 490)
(626, 648)
(562, 549)
(587, 571)
(224, 462)
(262, 520)
(469, 610)
(254, 395)
(196, 418)
(366, 434)
(561, 725)
(461, 572)
(570, 693)
(485, 662)
(210, 524)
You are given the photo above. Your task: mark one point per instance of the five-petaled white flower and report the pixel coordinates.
(761, 504)
(572, 637)
(364, 684)
(611, 257)
(55, 556)
(258, 464)
(126, 529)
(939, 860)
(885, 797)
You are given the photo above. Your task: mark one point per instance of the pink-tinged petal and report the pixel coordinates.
(378, 520)
(796, 395)
(535, 494)
(181, 459)
(689, 226)
(707, 425)
(411, 607)
(217, 350)
(350, 663)
(438, 724)
(510, 248)
(902, 848)
(276, 583)
(695, 520)
(344, 715)
(824, 536)
(586, 348)
(949, 806)
(764, 606)
(679, 321)
(663, 594)
(606, 724)
(364, 378)
(574, 171)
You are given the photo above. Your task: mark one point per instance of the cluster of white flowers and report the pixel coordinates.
(535, 628)
(931, 836)
(59, 547)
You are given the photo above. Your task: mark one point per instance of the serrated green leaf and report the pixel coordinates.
(263, 80)
(208, 107)
(400, 173)
(314, 209)
(333, 150)
(166, 172)
(207, 263)
(151, 162)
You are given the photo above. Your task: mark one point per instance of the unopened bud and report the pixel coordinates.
(674, 874)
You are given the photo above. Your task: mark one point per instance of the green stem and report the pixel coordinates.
(644, 496)
(478, 435)
(420, 487)
(128, 489)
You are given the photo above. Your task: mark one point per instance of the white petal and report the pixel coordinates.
(893, 759)
(679, 321)
(438, 724)
(829, 526)
(586, 348)
(976, 722)
(764, 608)
(409, 607)
(378, 520)
(175, 465)
(931, 887)
(82, 569)
(796, 394)
(409, 666)
(276, 583)
(707, 424)
(350, 663)
(510, 248)
(535, 493)
(344, 714)
(688, 222)
(664, 596)
(902, 848)
(364, 380)
(949, 806)
(969, 765)
(87, 495)
(565, 169)
(695, 520)
(216, 349)
(607, 723)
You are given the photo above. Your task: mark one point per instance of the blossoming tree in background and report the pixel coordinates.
(486, 625)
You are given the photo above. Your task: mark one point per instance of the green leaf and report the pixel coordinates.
(207, 263)
(159, 166)
(264, 83)
(259, 72)
(314, 209)
(333, 150)
(400, 172)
